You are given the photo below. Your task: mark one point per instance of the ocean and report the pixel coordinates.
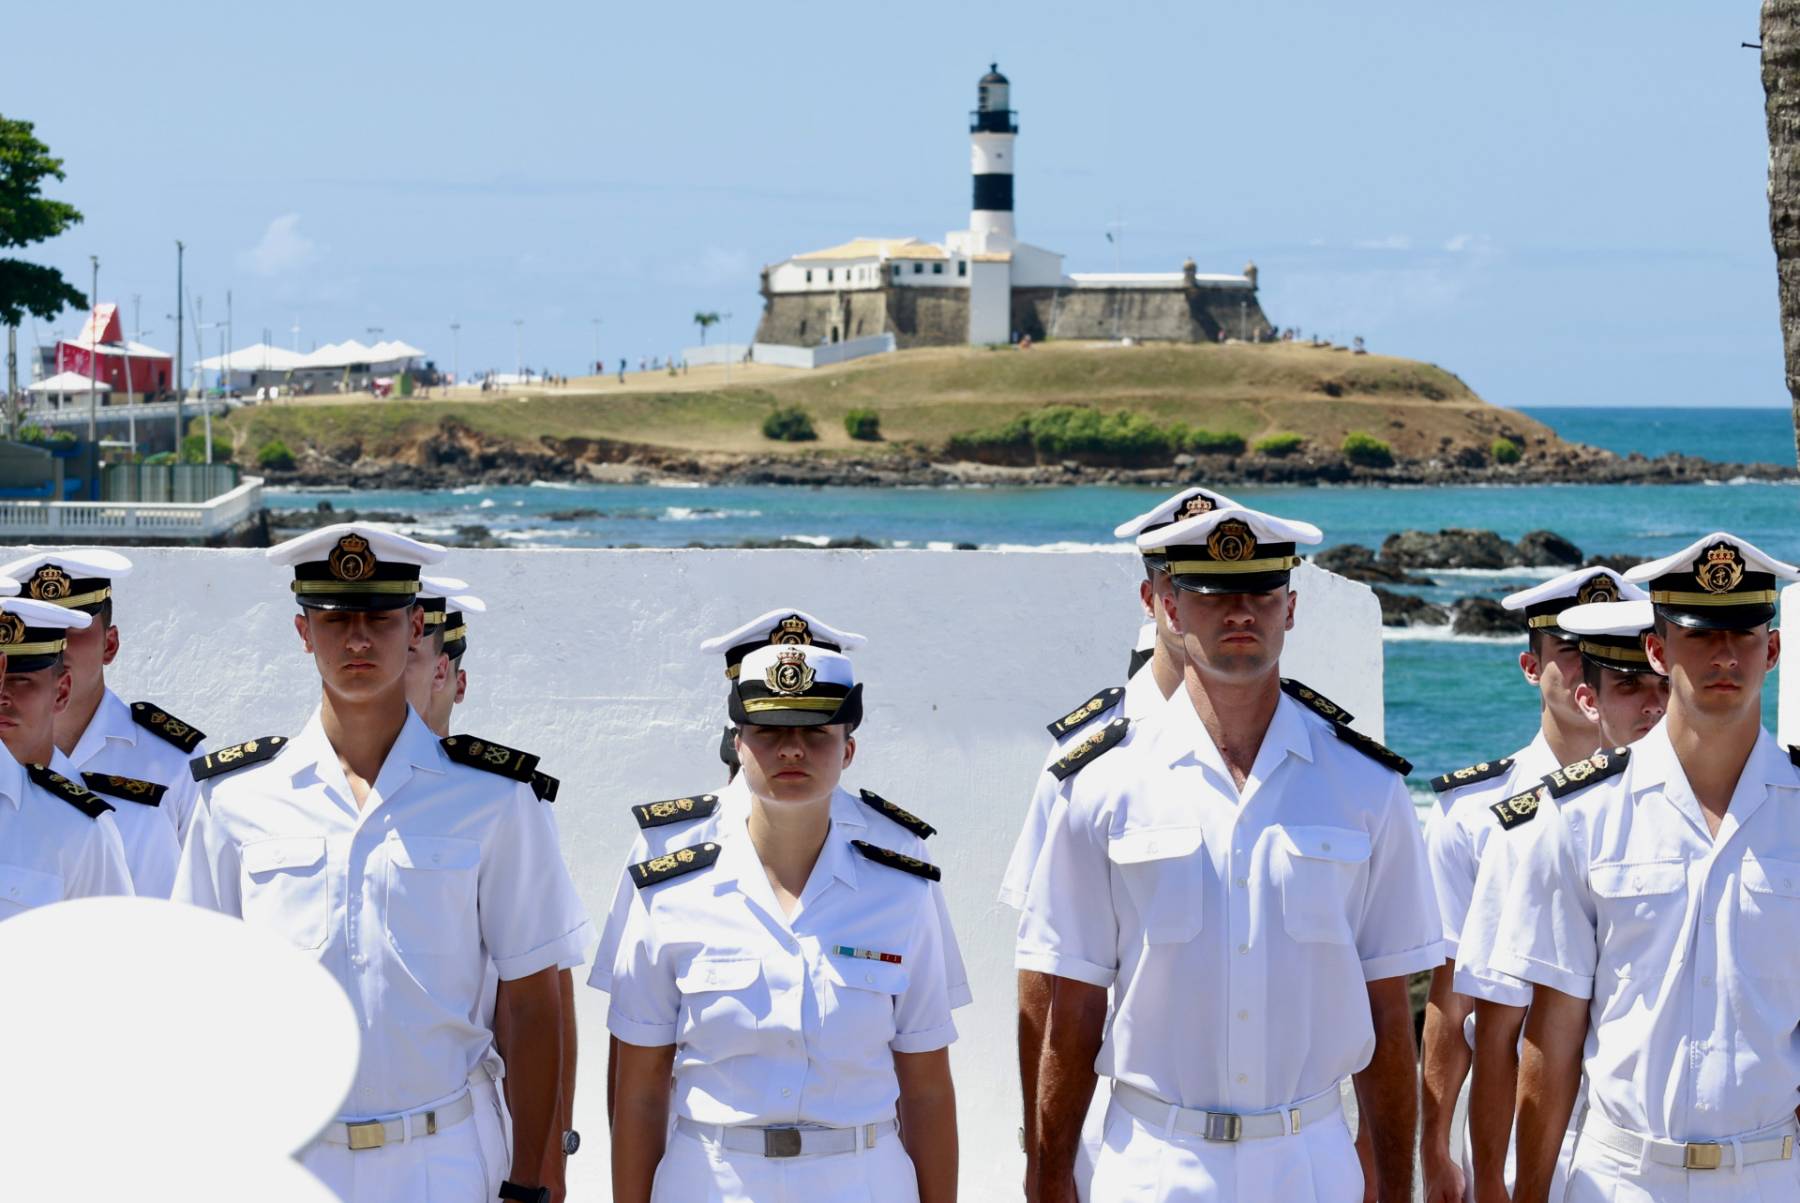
(1450, 701)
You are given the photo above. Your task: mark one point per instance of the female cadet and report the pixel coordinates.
(780, 988)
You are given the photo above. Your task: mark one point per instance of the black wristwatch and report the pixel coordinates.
(525, 1194)
(571, 1142)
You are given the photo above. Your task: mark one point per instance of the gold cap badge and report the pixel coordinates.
(1193, 507)
(1231, 541)
(792, 629)
(351, 559)
(49, 583)
(790, 674)
(12, 630)
(1597, 589)
(1721, 569)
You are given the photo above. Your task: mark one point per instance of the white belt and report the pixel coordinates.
(1223, 1125)
(787, 1142)
(1770, 1144)
(410, 1125)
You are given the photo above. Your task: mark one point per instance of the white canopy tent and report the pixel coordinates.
(259, 357)
(69, 383)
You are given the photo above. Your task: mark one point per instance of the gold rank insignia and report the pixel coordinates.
(1085, 713)
(1315, 701)
(675, 810)
(352, 559)
(50, 583)
(55, 783)
(1520, 808)
(905, 818)
(1721, 569)
(790, 675)
(1487, 770)
(149, 793)
(895, 860)
(237, 756)
(1094, 745)
(673, 864)
(1231, 541)
(155, 719)
(1379, 753)
(1597, 589)
(490, 757)
(1583, 773)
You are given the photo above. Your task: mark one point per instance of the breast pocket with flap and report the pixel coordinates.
(432, 881)
(285, 887)
(22, 889)
(862, 997)
(1323, 866)
(1162, 872)
(1639, 906)
(722, 998)
(1769, 901)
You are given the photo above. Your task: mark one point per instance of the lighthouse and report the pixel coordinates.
(992, 130)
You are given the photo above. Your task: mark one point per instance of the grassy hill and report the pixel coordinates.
(926, 396)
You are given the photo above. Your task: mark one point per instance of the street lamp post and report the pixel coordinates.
(725, 320)
(93, 361)
(180, 309)
(455, 347)
(519, 347)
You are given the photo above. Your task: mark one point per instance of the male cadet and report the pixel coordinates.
(1654, 912)
(406, 864)
(1155, 673)
(136, 752)
(1626, 697)
(1245, 872)
(57, 840)
(1456, 835)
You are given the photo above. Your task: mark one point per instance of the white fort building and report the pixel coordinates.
(983, 285)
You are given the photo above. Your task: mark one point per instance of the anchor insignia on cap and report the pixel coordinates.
(50, 583)
(1598, 589)
(351, 559)
(1231, 541)
(790, 674)
(1721, 569)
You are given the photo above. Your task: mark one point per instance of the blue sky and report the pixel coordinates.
(1564, 204)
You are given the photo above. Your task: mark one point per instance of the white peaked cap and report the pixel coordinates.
(1621, 618)
(1166, 510)
(763, 626)
(468, 603)
(8, 587)
(1571, 585)
(1755, 559)
(45, 614)
(441, 586)
(1266, 527)
(76, 561)
(829, 667)
(386, 544)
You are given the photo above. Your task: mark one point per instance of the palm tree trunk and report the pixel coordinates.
(1781, 89)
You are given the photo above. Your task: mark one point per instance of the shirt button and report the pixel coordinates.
(792, 1043)
(869, 978)
(359, 960)
(1242, 882)
(1325, 847)
(1242, 1078)
(1243, 1014)
(1150, 847)
(1708, 919)
(1706, 981)
(1243, 948)
(786, 1093)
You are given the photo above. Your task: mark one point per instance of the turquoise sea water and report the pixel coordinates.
(1449, 701)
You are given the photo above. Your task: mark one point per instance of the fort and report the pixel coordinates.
(983, 285)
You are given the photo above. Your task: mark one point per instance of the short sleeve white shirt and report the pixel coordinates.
(151, 850)
(1236, 928)
(114, 742)
(1683, 941)
(784, 1019)
(49, 850)
(445, 869)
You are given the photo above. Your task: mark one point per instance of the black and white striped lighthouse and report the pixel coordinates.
(992, 129)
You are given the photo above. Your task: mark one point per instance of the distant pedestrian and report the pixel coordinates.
(621, 371)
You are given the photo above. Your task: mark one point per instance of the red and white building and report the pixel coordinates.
(101, 352)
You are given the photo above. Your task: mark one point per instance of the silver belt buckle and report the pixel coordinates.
(1224, 1127)
(781, 1142)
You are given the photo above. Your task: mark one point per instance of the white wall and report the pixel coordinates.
(845, 275)
(824, 354)
(714, 353)
(586, 658)
(990, 302)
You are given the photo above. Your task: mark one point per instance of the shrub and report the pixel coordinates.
(1278, 446)
(1504, 451)
(1214, 442)
(160, 458)
(863, 424)
(276, 456)
(1367, 450)
(790, 424)
(193, 450)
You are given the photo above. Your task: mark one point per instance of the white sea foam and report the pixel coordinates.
(557, 484)
(1536, 574)
(679, 484)
(1062, 545)
(467, 490)
(809, 540)
(1442, 633)
(487, 503)
(683, 513)
(940, 545)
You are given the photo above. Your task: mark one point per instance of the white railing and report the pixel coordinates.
(75, 414)
(131, 519)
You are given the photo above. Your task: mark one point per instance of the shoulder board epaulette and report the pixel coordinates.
(490, 757)
(675, 810)
(1315, 701)
(1520, 808)
(1583, 773)
(154, 718)
(1486, 770)
(674, 864)
(1794, 755)
(1096, 744)
(894, 860)
(129, 788)
(1085, 713)
(1382, 755)
(53, 782)
(905, 818)
(236, 756)
(545, 786)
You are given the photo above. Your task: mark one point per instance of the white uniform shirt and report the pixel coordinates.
(151, 850)
(1457, 834)
(49, 850)
(1142, 697)
(734, 805)
(1236, 929)
(773, 1025)
(114, 743)
(405, 902)
(1685, 943)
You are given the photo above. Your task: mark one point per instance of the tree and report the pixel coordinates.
(27, 216)
(703, 320)
(1781, 91)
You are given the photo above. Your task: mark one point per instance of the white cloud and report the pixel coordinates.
(283, 248)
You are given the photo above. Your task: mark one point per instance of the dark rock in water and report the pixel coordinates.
(853, 543)
(966, 547)
(324, 507)
(1618, 564)
(1485, 616)
(305, 520)
(1452, 548)
(1358, 563)
(1547, 549)
(575, 515)
(1409, 610)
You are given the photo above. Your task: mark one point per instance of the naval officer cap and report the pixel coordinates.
(1582, 587)
(456, 623)
(1229, 550)
(33, 633)
(1189, 503)
(1719, 583)
(784, 627)
(434, 597)
(795, 685)
(352, 566)
(1611, 634)
(79, 578)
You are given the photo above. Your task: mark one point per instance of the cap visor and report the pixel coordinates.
(1719, 618)
(357, 601)
(1257, 582)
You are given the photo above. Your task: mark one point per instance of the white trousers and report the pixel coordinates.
(1141, 1163)
(462, 1163)
(694, 1171)
(1604, 1175)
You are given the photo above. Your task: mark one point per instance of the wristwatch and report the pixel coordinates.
(571, 1142)
(525, 1194)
